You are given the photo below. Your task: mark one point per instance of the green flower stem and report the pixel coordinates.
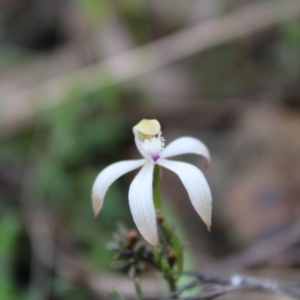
(138, 289)
(176, 248)
(156, 188)
(168, 254)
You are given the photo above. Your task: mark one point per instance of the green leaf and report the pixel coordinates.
(115, 294)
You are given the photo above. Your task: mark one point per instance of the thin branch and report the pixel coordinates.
(219, 291)
(181, 290)
(23, 105)
(219, 286)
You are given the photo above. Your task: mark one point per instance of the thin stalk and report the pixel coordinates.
(173, 288)
(166, 237)
(156, 188)
(138, 289)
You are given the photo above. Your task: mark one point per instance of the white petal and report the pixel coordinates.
(187, 145)
(140, 147)
(196, 186)
(107, 176)
(141, 204)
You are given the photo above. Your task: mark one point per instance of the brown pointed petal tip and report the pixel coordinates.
(152, 243)
(207, 164)
(96, 207)
(208, 226)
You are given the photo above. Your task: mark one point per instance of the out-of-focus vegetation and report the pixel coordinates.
(241, 97)
(59, 157)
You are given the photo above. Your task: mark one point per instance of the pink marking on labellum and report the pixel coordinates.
(155, 157)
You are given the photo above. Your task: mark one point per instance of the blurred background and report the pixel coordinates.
(76, 76)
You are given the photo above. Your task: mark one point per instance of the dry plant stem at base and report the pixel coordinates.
(238, 282)
(179, 291)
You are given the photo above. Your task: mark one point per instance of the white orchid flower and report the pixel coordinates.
(150, 144)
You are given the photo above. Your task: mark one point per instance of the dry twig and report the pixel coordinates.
(215, 286)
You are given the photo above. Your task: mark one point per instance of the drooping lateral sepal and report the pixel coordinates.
(107, 176)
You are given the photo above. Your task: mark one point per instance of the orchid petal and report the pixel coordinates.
(141, 204)
(107, 176)
(187, 145)
(140, 147)
(196, 186)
